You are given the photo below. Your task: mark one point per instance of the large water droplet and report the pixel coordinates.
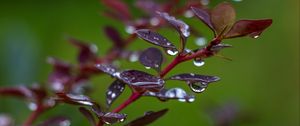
(133, 57)
(200, 41)
(172, 52)
(154, 21)
(32, 106)
(130, 29)
(188, 14)
(65, 123)
(198, 87)
(198, 63)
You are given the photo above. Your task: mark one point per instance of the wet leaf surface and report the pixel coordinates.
(151, 57)
(191, 77)
(107, 68)
(114, 91)
(173, 93)
(74, 99)
(204, 16)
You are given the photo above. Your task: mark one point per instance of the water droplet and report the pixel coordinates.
(237, 0)
(198, 87)
(191, 99)
(130, 29)
(32, 106)
(200, 41)
(93, 48)
(172, 52)
(204, 2)
(133, 57)
(148, 67)
(256, 36)
(107, 123)
(198, 63)
(182, 100)
(57, 86)
(121, 120)
(65, 123)
(154, 21)
(188, 14)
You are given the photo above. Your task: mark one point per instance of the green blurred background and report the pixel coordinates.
(263, 78)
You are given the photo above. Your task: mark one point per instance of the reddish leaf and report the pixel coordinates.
(155, 38)
(88, 115)
(111, 118)
(139, 79)
(191, 78)
(223, 17)
(119, 7)
(179, 25)
(151, 57)
(74, 99)
(204, 16)
(253, 28)
(87, 52)
(60, 75)
(173, 93)
(109, 69)
(114, 36)
(148, 118)
(113, 91)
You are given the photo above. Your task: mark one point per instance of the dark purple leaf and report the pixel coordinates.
(179, 25)
(74, 99)
(173, 93)
(147, 118)
(113, 91)
(223, 17)
(148, 6)
(139, 79)
(111, 118)
(56, 121)
(114, 36)
(204, 16)
(118, 7)
(87, 52)
(191, 78)
(88, 115)
(155, 38)
(60, 75)
(253, 28)
(109, 69)
(151, 57)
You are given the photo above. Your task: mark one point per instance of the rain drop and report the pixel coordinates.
(130, 29)
(200, 41)
(154, 21)
(198, 87)
(256, 36)
(32, 106)
(133, 57)
(65, 123)
(93, 48)
(191, 99)
(188, 14)
(172, 52)
(198, 63)
(237, 0)
(204, 2)
(148, 67)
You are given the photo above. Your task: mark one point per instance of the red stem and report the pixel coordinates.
(34, 115)
(134, 96)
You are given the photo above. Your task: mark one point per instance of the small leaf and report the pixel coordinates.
(151, 57)
(223, 17)
(173, 93)
(192, 78)
(147, 118)
(88, 115)
(253, 28)
(141, 80)
(204, 16)
(180, 26)
(56, 121)
(87, 52)
(113, 92)
(109, 69)
(218, 47)
(114, 36)
(61, 74)
(74, 99)
(119, 8)
(155, 38)
(111, 118)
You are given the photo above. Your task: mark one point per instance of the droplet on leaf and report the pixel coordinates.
(198, 62)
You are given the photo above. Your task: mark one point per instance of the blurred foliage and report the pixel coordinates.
(263, 76)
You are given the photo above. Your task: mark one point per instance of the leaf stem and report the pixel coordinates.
(134, 96)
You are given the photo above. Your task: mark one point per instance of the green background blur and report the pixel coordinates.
(263, 78)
